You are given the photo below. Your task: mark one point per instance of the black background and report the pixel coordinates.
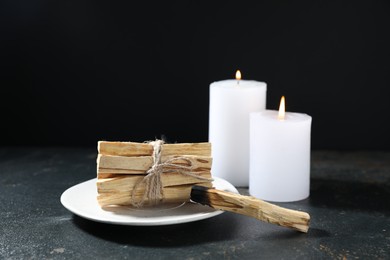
(74, 72)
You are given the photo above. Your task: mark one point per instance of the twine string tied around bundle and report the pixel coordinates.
(153, 185)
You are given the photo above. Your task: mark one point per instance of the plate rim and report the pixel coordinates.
(161, 222)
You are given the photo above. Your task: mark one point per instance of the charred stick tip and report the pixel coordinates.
(199, 194)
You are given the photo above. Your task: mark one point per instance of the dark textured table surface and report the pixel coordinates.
(349, 207)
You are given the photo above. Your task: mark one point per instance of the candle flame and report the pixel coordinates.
(282, 109)
(238, 75)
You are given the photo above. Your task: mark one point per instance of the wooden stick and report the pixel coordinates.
(252, 207)
(126, 183)
(171, 194)
(107, 173)
(144, 149)
(140, 164)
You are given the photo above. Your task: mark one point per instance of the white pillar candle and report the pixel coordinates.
(279, 156)
(231, 102)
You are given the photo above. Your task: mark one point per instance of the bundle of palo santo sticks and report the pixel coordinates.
(136, 173)
(122, 167)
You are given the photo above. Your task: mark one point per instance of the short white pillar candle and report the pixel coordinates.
(231, 102)
(279, 156)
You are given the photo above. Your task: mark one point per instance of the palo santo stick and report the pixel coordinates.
(145, 149)
(106, 172)
(140, 164)
(252, 207)
(125, 148)
(110, 173)
(126, 183)
(171, 194)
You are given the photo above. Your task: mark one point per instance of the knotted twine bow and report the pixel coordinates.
(153, 185)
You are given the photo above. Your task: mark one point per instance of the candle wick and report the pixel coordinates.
(238, 82)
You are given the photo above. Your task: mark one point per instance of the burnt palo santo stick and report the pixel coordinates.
(252, 207)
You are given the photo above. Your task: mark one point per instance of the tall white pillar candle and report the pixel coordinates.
(231, 102)
(279, 156)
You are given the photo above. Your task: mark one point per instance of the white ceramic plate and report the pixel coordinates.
(81, 200)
